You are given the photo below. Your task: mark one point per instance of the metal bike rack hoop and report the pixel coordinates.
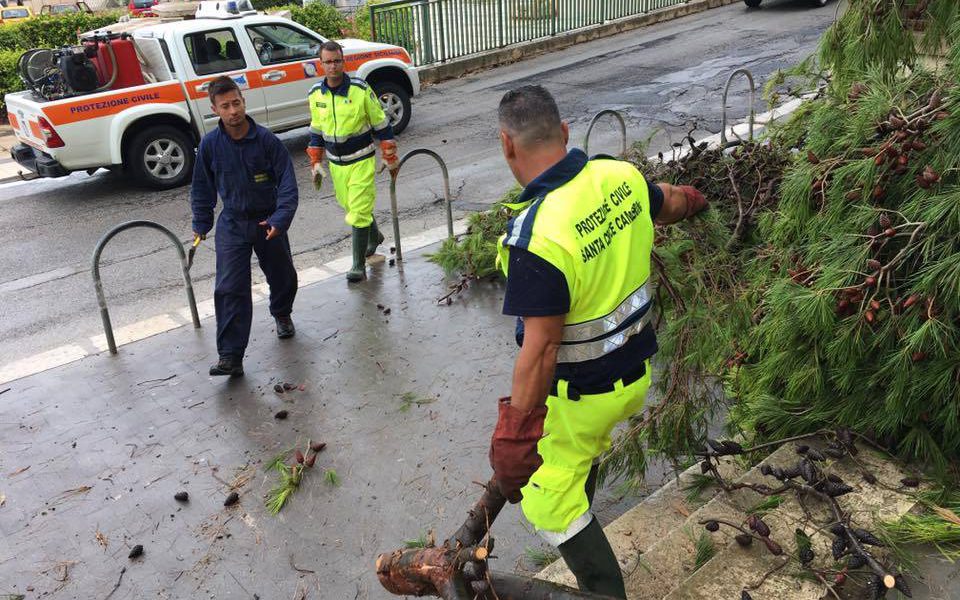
(753, 93)
(98, 285)
(623, 130)
(393, 195)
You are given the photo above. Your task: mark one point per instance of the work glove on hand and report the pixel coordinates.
(316, 154)
(513, 449)
(695, 200)
(388, 152)
(319, 174)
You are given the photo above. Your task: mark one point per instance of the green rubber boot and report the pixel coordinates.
(376, 238)
(592, 561)
(358, 272)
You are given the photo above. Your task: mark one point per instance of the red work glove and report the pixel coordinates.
(316, 154)
(513, 449)
(388, 151)
(695, 201)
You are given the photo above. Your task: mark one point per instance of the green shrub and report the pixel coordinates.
(320, 17)
(51, 31)
(358, 24)
(9, 79)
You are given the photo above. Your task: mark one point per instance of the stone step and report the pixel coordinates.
(734, 568)
(668, 562)
(636, 533)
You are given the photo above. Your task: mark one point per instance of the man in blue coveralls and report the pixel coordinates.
(252, 172)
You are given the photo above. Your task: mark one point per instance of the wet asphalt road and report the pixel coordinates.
(663, 78)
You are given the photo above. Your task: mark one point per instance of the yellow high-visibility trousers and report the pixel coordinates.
(355, 190)
(575, 434)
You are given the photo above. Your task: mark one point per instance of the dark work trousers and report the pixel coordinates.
(236, 238)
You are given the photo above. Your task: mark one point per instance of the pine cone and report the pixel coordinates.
(856, 561)
(866, 537)
(756, 524)
(838, 547)
(814, 454)
(791, 472)
(744, 595)
(802, 449)
(732, 447)
(773, 547)
(744, 539)
(902, 586)
(806, 556)
(835, 490)
(765, 469)
(835, 453)
(875, 587)
(809, 472)
(712, 526)
(837, 529)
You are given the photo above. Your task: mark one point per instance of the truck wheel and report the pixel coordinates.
(395, 102)
(752, 3)
(160, 157)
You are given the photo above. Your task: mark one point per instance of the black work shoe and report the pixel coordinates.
(285, 328)
(228, 365)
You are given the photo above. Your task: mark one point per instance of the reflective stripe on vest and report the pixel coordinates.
(361, 153)
(593, 339)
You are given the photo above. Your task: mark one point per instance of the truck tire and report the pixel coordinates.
(160, 157)
(395, 102)
(752, 3)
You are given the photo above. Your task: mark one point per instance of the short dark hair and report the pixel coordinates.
(222, 85)
(530, 113)
(332, 46)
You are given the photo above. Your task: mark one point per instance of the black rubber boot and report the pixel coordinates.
(592, 561)
(376, 238)
(591, 486)
(358, 272)
(228, 365)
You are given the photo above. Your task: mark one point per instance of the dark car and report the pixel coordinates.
(756, 3)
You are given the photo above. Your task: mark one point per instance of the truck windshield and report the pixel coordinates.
(142, 3)
(14, 13)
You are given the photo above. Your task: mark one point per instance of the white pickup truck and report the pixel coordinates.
(151, 128)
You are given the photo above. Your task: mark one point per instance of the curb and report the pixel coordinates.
(503, 56)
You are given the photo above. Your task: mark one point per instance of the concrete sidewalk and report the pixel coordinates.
(403, 392)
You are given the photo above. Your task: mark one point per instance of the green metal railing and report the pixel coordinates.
(435, 31)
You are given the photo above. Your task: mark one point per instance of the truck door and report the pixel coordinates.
(288, 59)
(213, 53)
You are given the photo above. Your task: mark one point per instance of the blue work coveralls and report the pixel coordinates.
(255, 180)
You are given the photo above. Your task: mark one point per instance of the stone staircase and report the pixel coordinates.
(655, 540)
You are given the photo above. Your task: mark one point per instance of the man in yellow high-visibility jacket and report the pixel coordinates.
(577, 261)
(345, 115)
